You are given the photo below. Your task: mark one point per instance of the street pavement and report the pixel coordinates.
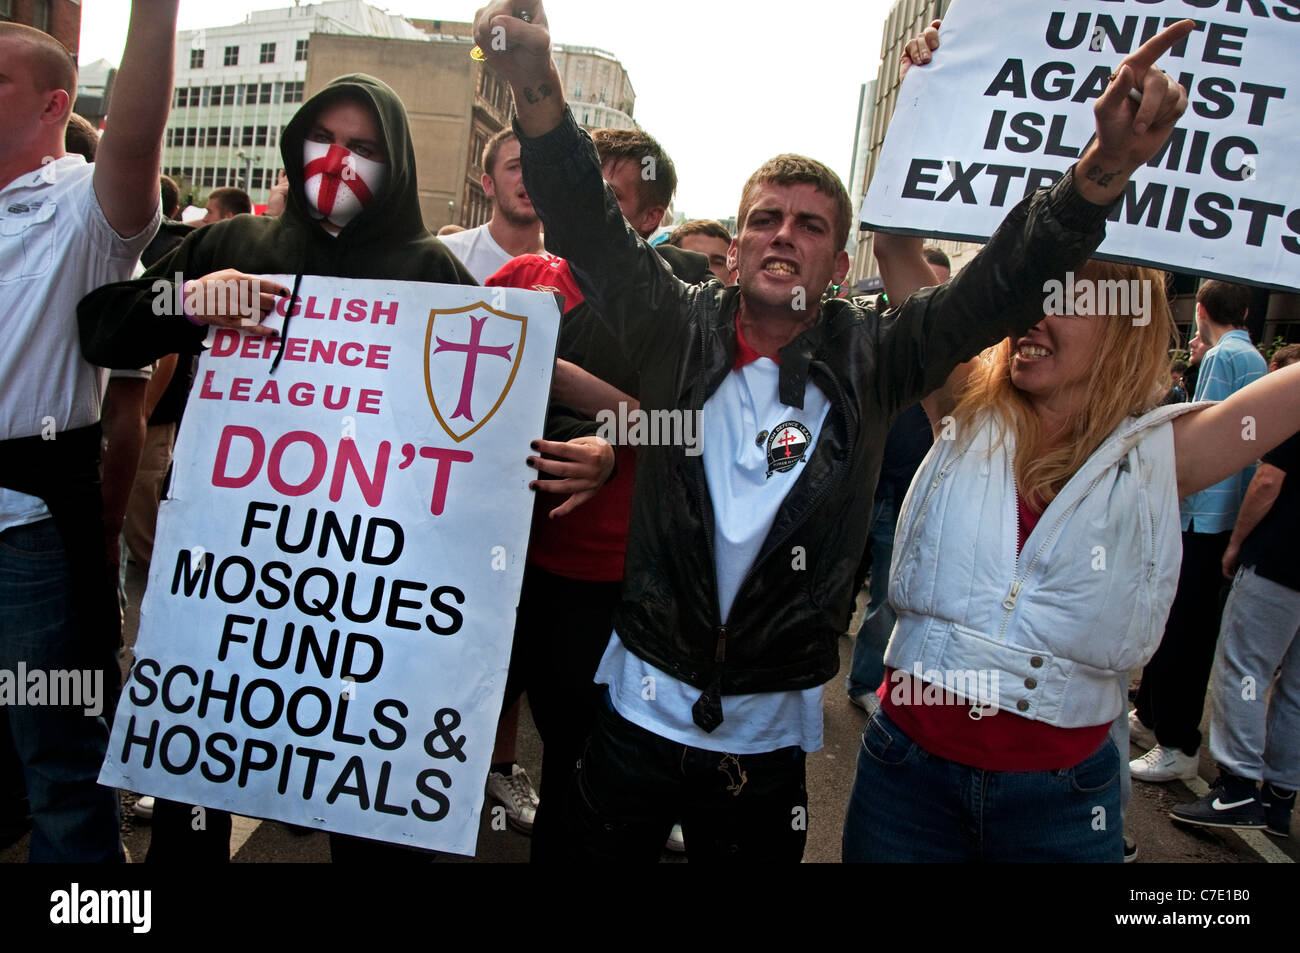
(830, 776)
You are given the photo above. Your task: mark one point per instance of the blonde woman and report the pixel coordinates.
(1035, 562)
(1036, 559)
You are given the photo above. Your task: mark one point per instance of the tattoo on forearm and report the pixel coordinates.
(1099, 175)
(542, 92)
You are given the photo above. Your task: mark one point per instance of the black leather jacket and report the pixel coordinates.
(784, 626)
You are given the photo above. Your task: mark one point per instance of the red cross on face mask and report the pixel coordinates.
(339, 183)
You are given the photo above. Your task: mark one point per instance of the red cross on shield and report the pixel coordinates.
(471, 357)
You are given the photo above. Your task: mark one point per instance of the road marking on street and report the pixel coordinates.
(241, 829)
(1257, 841)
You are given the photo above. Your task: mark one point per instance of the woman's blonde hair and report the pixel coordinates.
(1129, 375)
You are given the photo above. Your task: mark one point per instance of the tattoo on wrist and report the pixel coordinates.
(1100, 176)
(536, 96)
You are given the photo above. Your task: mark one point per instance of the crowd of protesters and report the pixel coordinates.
(965, 453)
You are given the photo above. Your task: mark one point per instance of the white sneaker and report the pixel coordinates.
(676, 843)
(143, 808)
(1139, 734)
(517, 795)
(1164, 764)
(868, 702)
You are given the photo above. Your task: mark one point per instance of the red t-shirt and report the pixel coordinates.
(990, 743)
(589, 544)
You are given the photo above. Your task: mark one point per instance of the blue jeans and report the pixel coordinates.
(74, 818)
(908, 805)
(868, 667)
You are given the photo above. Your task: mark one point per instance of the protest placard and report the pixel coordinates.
(1005, 107)
(331, 603)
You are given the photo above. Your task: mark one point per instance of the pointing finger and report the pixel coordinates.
(1146, 55)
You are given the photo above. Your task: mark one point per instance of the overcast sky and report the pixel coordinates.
(722, 85)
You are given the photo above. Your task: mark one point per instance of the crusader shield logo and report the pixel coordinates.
(786, 445)
(471, 357)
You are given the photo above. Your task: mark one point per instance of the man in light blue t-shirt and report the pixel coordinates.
(1169, 705)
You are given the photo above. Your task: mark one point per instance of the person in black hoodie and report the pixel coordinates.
(380, 236)
(353, 211)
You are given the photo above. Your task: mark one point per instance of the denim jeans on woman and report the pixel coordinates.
(908, 805)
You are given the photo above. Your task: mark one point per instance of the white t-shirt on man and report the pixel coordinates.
(478, 251)
(754, 448)
(56, 246)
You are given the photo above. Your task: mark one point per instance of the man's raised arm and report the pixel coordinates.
(515, 39)
(628, 285)
(129, 156)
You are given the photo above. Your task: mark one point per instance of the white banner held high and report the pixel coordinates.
(1005, 107)
(326, 632)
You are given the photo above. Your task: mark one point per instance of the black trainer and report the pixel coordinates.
(1233, 802)
(1278, 805)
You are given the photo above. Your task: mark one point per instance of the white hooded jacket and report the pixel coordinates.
(1057, 627)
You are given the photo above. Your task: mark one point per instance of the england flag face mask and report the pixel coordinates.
(339, 183)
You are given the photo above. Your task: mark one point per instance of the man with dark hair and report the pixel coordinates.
(171, 197)
(66, 227)
(740, 558)
(1171, 697)
(938, 261)
(1222, 306)
(226, 202)
(635, 165)
(513, 228)
(81, 138)
(707, 238)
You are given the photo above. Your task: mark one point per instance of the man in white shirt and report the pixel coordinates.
(65, 228)
(514, 228)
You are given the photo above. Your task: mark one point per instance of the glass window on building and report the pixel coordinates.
(223, 136)
(191, 135)
(267, 54)
(214, 134)
(227, 95)
(196, 59)
(264, 92)
(259, 137)
(167, 137)
(232, 56)
(247, 138)
(293, 92)
(300, 51)
(278, 94)
(207, 94)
